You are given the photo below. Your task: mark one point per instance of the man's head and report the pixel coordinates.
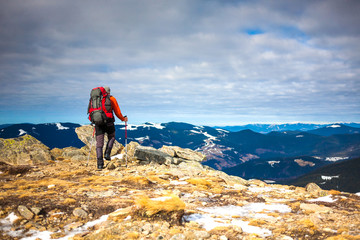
(107, 89)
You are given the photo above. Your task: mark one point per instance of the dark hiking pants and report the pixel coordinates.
(100, 130)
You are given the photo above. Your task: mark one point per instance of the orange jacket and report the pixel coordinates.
(115, 107)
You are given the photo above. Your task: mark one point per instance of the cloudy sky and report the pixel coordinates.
(206, 62)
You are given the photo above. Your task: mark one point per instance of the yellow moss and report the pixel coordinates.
(136, 180)
(167, 203)
(100, 180)
(257, 222)
(199, 182)
(343, 237)
(272, 214)
(174, 231)
(308, 224)
(341, 230)
(334, 192)
(220, 228)
(295, 206)
(69, 201)
(133, 235)
(67, 174)
(157, 180)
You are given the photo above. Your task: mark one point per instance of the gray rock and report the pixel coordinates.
(111, 166)
(36, 210)
(312, 188)
(191, 168)
(149, 154)
(202, 235)
(184, 153)
(24, 150)
(178, 236)
(79, 212)
(25, 212)
(314, 208)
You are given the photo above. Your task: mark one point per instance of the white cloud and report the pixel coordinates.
(177, 59)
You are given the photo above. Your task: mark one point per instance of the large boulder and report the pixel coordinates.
(150, 154)
(184, 153)
(86, 135)
(24, 150)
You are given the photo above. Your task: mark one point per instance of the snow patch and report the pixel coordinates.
(140, 139)
(175, 182)
(328, 199)
(161, 199)
(22, 132)
(61, 127)
(69, 234)
(270, 181)
(223, 216)
(119, 156)
(222, 130)
(273, 162)
(328, 178)
(334, 126)
(335, 159)
(210, 137)
(133, 127)
(6, 225)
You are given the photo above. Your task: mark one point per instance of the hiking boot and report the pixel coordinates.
(107, 153)
(100, 163)
(100, 167)
(107, 156)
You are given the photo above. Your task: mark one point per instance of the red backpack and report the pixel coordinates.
(99, 108)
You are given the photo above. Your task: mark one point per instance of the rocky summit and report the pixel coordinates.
(148, 193)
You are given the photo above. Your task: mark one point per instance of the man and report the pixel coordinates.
(109, 129)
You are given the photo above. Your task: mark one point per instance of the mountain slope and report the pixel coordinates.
(276, 169)
(342, 175)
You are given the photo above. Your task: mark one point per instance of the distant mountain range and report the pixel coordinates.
(277, 155)
(266, 128)
(53, 135)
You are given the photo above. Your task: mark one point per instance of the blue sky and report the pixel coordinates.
(204, 62)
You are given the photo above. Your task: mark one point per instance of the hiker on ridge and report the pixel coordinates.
(109, 129)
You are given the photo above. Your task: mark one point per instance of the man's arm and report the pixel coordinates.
(116, 108)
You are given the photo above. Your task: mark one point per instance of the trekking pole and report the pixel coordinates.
(126, 142)
(91, 144)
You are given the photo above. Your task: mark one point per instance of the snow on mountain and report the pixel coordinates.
(334, 126)
(335, 159)
(272, 163)
(22, 132)
(134, 127)
(328, 178)
(61, 127)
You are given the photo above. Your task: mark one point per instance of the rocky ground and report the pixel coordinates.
(160, 194)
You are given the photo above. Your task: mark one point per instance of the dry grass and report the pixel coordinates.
(69, 201)
(100, 180)
(166, 204)
(207, 184)
(136, 180)
(334, 192)
(200, 182)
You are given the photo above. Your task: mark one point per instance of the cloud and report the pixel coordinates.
(177, 59)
